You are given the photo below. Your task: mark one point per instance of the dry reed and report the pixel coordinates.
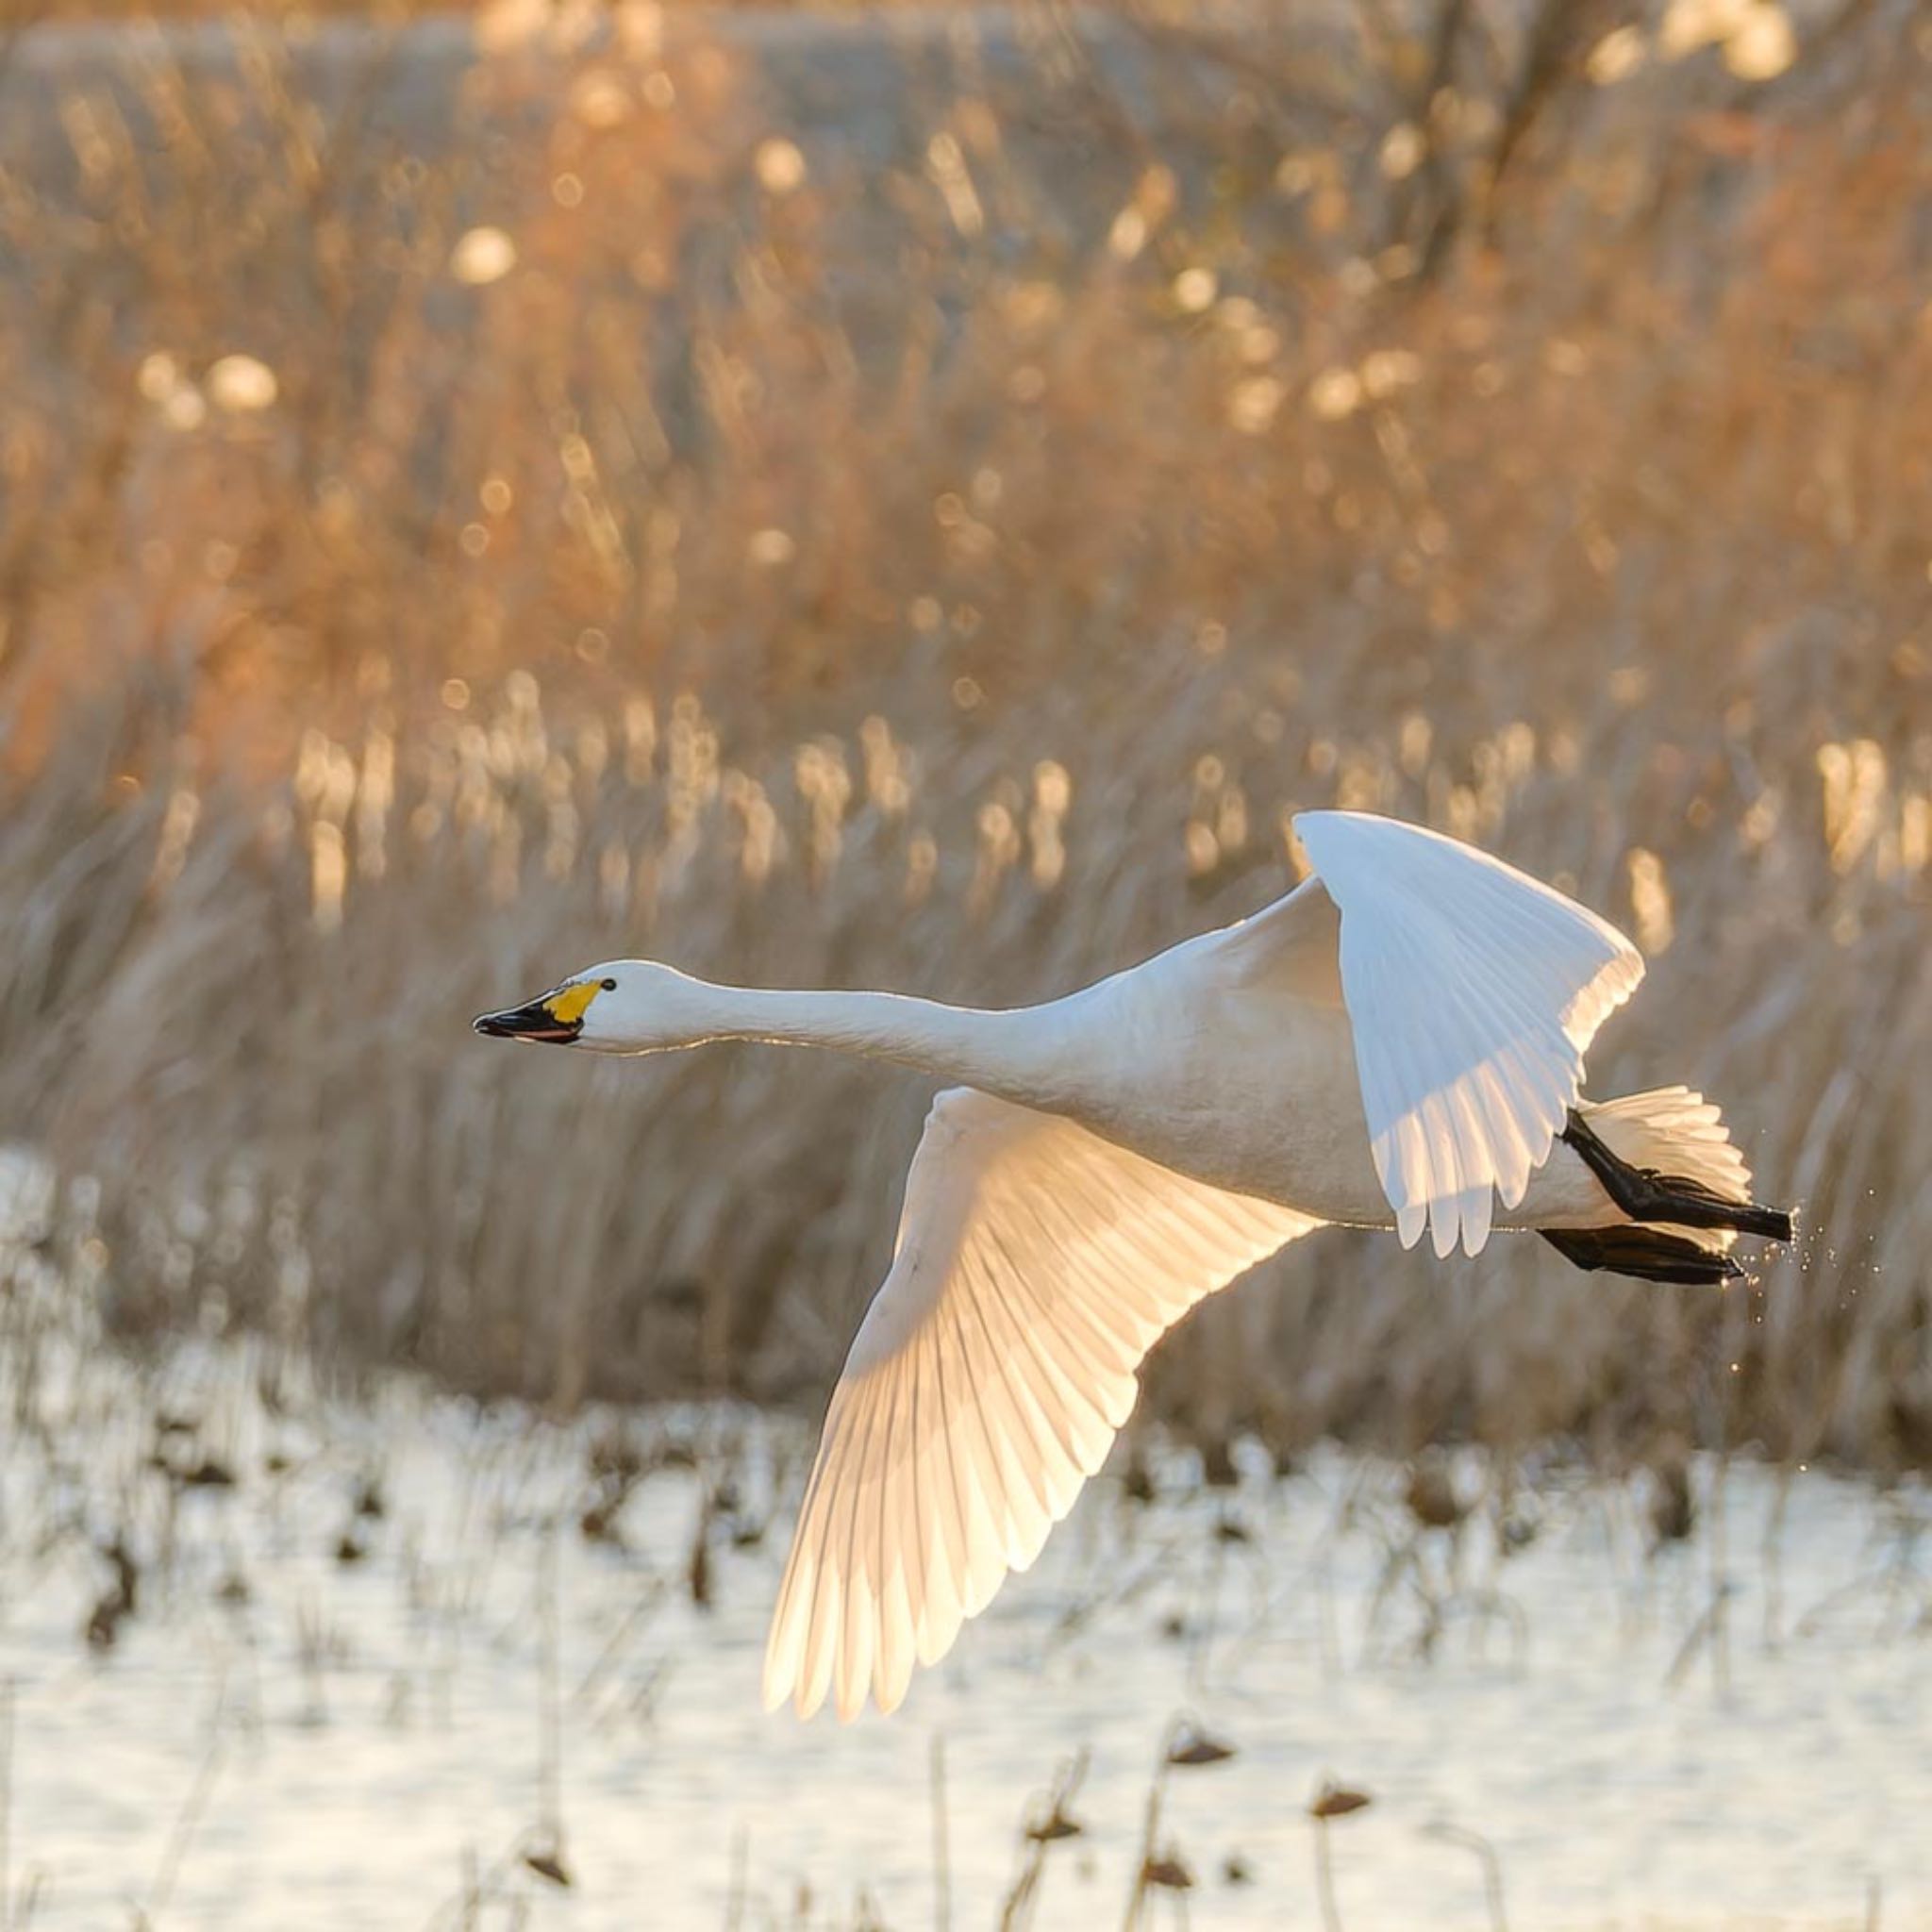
(920, 510)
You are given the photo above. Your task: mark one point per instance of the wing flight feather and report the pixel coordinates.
(1472, 991)
(1037, 1264)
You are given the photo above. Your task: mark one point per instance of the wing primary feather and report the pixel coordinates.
(785, 1652)
(1076, 1400)
(986, 1473)
(987, 1525)
(936, 1575)
(893, 1638)
(1046, 1388)
(822, 1617)
(1021, 1474)
(956, 1509)
(840, 1579)
(1069, 1318)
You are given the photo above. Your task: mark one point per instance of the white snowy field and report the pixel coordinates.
(362, 1680)
(274, 1655)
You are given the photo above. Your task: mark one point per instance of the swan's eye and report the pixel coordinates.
(608, 985)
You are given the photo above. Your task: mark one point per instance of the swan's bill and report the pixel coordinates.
(556, 1016)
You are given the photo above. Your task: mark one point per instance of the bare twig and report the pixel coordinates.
(1492, 1864)
(189, 1817)
(942, 1864)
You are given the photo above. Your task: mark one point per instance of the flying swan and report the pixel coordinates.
(1398, 1042)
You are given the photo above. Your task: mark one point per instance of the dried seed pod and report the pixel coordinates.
(1431, 1496)
(1337, 1801)
(1170, 1871)
(1192, 1746)
(1056, 1824)
(546, 1861)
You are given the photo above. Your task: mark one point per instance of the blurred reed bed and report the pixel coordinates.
(850, 506)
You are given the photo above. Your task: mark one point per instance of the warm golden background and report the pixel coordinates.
(918, 497)
(916, 500)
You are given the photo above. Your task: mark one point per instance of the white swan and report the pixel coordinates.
(1399, 1041)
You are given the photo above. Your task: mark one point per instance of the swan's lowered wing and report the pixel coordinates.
(1471, 993)
(1037, 1264)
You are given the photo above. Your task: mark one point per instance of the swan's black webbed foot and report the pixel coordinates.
(1646, 1195)
(1649, 1254)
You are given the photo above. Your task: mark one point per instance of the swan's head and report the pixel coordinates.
(623, 1006)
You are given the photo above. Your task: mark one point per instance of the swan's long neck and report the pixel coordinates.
(1020, 1055)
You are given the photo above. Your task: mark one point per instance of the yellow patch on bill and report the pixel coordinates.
(569, 1004)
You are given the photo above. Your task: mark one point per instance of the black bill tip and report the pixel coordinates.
(534, 1021)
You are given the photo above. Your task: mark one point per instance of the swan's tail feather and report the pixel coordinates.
(1666, 1159)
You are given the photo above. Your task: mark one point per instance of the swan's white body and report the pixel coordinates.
(1397, 1042)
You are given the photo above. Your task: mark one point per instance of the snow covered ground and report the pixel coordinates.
(390, 1655)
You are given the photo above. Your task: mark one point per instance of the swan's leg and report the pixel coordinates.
(1646, 1195)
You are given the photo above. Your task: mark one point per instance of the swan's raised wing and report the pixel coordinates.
(1037, 1264)
(1471, 993)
